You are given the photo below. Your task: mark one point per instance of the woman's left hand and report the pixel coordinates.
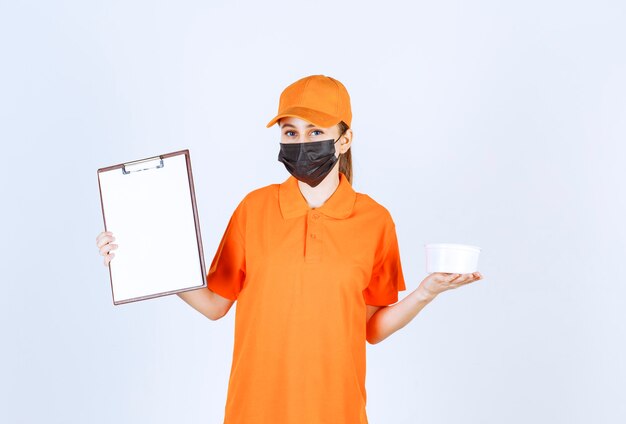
(438, 282)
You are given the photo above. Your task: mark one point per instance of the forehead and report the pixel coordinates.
(295, 122)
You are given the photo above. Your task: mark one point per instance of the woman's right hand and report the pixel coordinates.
(103, 241)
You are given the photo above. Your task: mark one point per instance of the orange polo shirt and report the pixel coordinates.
(302, 277)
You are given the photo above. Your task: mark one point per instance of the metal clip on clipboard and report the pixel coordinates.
(140, 165)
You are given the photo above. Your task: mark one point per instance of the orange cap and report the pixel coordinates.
(321, 100)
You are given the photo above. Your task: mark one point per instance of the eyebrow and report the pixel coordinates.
(293, 126)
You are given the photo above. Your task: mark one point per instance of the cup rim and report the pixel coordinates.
(452, 246)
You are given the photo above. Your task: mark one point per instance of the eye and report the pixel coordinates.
(319, 132)
(289, 133)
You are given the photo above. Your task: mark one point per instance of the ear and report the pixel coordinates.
(345, 141)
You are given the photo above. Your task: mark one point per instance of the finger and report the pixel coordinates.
(107, 248)
(108, 259)
(103, 234)
(469, 277)
(104, 250)
(466, 281)
(476, 276)
(104, 240)
(111, 247)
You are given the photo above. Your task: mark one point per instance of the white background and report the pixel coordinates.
(499, 124)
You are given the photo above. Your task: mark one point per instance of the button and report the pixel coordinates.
(316, 215)
(313, 236)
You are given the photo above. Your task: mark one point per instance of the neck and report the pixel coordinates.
(316, 196)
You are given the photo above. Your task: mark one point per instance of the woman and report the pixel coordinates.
(315, 269)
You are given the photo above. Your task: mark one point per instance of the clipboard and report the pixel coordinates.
(150, 207)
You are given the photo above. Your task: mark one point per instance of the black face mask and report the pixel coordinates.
(309, 162)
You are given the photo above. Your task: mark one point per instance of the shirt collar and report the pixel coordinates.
(338, 205)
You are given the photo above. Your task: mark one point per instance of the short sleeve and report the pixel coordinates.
(387, 277)
(228, 268)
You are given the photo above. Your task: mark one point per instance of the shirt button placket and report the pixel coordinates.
(313, 249)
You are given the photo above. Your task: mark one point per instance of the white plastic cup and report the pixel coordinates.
(451, 258)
